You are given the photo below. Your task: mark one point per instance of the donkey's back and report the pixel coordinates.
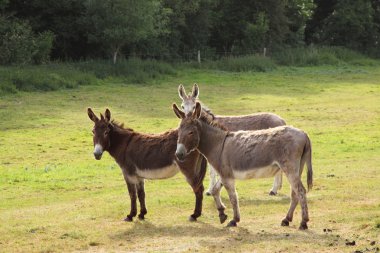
(248, 152)
(250, 122)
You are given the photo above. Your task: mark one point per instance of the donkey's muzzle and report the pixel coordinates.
(180, 152)
(98, 156)
(98, 151)
(180, 155)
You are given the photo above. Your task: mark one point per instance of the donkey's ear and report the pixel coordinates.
(92, 115)
(180, 114)
(181, 92)
(197, 110)
(108, 115)
(195, 92)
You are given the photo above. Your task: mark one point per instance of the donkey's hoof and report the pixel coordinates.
(192, 218)
(303, 226)
(232, 223)
(272, 193)
(285, 223)
(128, 218)
(222, 218)
(208, 193)
(141, 217)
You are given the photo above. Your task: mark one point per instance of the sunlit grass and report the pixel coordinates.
(55, 197)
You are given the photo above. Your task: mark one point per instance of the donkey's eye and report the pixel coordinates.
(182, 107)
(105, 133)
(191, 133)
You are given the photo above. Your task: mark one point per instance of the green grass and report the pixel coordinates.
(256, 63)
(316, 56)
(55, 197)
(43, 78)
(56, 76)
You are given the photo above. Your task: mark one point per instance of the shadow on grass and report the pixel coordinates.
(148, 229)
(210, 236)
(278, 199)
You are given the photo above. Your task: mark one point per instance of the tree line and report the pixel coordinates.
(36, 31)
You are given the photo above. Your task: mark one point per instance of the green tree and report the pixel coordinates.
(237, 21)
(348, 23)
(298, 13)
(63, 18)
(117, 23)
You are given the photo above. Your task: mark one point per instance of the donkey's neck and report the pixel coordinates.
(211, 142)
(118, 143)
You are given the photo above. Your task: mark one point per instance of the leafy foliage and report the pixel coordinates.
(117, 23)
(176, 30)
(19, 45)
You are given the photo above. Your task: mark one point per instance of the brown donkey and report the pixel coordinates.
(233, 123)
(143, 156)
(248, 154)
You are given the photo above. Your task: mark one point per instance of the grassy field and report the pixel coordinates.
(55, 197)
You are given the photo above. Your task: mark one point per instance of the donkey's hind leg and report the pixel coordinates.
(300, 192)
(141, 196)
(229, 184)
(213, 180)
(132, 195)
(277, 184)
(293, 205)
(218, 201)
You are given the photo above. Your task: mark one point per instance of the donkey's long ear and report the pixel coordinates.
(181, 92)
(197, 110)
(195, 92)
(108, 115)
(92, 115)
(180, 114)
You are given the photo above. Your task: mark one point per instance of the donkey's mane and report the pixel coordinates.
(120, 126)
(211, 122)
(206, 109)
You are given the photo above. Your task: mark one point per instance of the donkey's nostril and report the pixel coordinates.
(180, 155)
(97, 156)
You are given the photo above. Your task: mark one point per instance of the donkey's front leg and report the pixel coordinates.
(229, 184)
(198, 191)
(132, 195)
(218, 201)
(141, 196)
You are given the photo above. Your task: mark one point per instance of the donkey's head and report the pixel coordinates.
(189, 131)
(101, 131)
(188, 101)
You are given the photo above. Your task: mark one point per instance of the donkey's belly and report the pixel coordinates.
(158, 173)
(264, 172)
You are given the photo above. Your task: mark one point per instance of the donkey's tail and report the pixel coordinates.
(306, 157)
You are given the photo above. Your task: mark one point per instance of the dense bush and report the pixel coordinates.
(19, 45)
